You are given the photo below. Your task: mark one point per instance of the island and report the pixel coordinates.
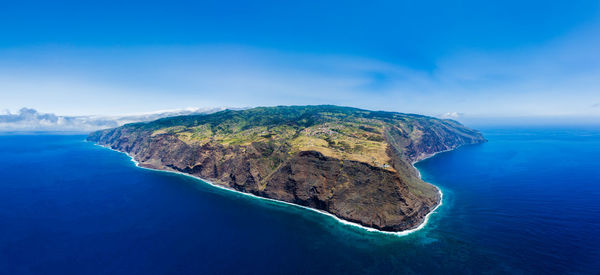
(352, 163)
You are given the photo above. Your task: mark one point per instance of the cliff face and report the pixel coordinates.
(353, 163)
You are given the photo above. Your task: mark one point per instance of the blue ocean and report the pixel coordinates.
(527, 201)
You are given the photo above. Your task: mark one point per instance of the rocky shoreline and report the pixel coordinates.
(338, 219)
(386, 195)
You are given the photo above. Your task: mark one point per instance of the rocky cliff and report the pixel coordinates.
(353, 163)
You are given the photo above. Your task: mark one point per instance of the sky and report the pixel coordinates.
(454, 59)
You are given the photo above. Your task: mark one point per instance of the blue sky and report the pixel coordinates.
(459, 58)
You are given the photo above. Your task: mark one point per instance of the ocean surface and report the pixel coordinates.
(527, 201)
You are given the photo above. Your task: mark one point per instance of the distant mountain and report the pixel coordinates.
(31, 120)
(355, 164)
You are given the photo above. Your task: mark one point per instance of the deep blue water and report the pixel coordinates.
(528, 201)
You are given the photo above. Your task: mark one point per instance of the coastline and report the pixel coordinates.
(340, 220)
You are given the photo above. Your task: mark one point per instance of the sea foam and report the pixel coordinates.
(342, 221)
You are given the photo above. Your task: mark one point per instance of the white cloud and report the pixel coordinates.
(451, 115)
(27, 119)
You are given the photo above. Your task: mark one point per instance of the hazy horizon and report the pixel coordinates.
(28, 120)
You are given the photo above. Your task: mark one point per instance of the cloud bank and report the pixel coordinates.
(27, 119)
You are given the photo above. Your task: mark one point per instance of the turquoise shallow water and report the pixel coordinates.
(527, 201)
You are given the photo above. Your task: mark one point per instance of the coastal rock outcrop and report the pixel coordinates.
(355, 164)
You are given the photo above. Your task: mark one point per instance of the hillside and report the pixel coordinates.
(353, 163)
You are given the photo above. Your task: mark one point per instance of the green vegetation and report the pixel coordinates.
(339, 132)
